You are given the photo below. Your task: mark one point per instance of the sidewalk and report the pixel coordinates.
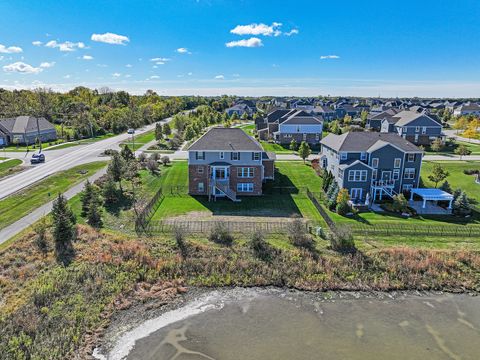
(13, 229)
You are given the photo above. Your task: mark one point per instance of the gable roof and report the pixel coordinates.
(406, 117)
(277, 114)
(303, 120)
(365, 141)
(25, 124)
(225, 139)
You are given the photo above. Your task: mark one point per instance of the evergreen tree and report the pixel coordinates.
(94, 215)
(438, 174)
(166, 129)
(86, 197)
(461, 206)
(116, 168)
(446, 187)
(64, 231)
(127, 154)
(110, 195)
(158, 132)
(304, 151)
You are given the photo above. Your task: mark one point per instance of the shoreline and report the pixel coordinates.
(139, 319)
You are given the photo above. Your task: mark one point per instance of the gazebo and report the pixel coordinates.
(432, 195)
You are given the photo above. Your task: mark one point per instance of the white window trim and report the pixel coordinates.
(375, 160)
(222, 155)
(399, 163)
(245, 187)
(413, 157)
(409, 173)
(343, 156)
(357, 175)
(245, 172)
(396, 174)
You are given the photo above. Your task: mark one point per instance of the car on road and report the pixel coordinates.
(131, 131)
(37, 158)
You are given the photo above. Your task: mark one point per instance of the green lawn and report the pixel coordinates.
(9, 167)
(80, 142)
(276, 148)
(19, 205)
(276, 202)
(248, 128)
(450, 150)
(140, 140)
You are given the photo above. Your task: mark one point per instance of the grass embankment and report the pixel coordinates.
(22, 203)
(140, 140)
(291, 178)
(9, 167)
(51, 311)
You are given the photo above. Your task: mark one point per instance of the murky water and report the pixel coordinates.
(266, 324)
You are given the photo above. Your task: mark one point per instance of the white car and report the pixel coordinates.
(131, 131)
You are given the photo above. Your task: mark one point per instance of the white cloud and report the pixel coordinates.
(219, 77)
(37, 43)
(252, 42)
(258, 29)
(87, 57)
(10, 49)
(110, 38)
(291, 32)
(190, 74)
(66, 46)
(183, 51)
(162, 59)
(67, 76)
(129, 65)
(324, 57)
(22, 68)
(46, 65)
(153, 77)
(116, 74)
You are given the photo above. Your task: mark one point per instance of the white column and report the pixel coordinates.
(450, 204)
(424, 203)
(411, 195)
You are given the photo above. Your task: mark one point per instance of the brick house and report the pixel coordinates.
(226, 162)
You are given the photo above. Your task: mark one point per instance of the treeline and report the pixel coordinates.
(90, 112)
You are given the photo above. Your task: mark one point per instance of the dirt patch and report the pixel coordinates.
(208, 216)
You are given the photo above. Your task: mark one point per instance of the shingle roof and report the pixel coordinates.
(277, 114)
(225, 139)
(364, 141)
(296, 120)
(25, 124)
(406, 117)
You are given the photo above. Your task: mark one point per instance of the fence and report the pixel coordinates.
(205, 226)
(314, 198)
(416, 230)
(144, 215)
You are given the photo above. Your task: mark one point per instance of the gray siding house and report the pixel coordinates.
(372, 163)
(418, 128)
(226, 162)
(26, 129)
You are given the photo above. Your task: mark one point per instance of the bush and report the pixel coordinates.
(180, 234)
(342, 240)
(220, 234)
(298, 235)
(471, 172)
(343, 207)
(165, 160)
(400, 203)
(260, 246)
(152, 166)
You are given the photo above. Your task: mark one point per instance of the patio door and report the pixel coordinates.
(356, 193)
(220, 173)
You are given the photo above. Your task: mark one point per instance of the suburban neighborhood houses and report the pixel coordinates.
(26, 130)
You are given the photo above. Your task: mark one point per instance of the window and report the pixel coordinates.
(317, 137)
(245, 187)
(340, 173)
(200, 155)
(409, 173)
(357, 175)
(417, 128)
(222, 155)
(245, 172)
(363, 156)
(397, 162)
(375, 163)
(343, 156)
(235, 156)
(424, 130)
(407, 187)
(304, 137)
(411, 158)
(416, 138)
(201, 187)
(200, 170)
(374, 174)
(396, 174)
(256, 156)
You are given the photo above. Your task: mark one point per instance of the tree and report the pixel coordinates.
(165, 160)
(110, 195)
(166, 129)
(64, 231)
(127, 154)
(461, 123)
(86, 197)
(462, 150)
(438, 174)
(116, 168)
(400, 203)
(472, 129)
(446, 187)
(152, 166)
(41, 228)
(343, 206)
(347, 120)
(436, 145)
(189, 132)
(158, 132)
(304, 151)
(293, 145)
(364, 117)
(94, 215)
(461, 205)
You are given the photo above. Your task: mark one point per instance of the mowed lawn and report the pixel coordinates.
(285, 196)
(9, 167)
(140, 140)
(457, 179)
(21, 204)
(448, 150)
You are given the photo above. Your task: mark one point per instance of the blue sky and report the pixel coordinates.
(211, 47)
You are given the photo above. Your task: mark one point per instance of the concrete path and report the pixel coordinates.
(453, 133)
(13, 229)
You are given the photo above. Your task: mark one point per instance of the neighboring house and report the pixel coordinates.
(325, 112)
(226, 162)
(374, 120)
(349, 110)
(240, 109)
(26, 129)
(3, 138)
(372, 163)
(419, 128)
(283, 125)
(302, 105)
(467, 109)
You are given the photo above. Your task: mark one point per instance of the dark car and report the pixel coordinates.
(37, 158)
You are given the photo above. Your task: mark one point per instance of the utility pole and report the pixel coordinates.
(38, 136)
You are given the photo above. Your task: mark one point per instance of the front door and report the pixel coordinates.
(386, 175)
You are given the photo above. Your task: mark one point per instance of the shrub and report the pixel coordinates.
(298, 235)
(165, 160)
(342, 240)
(400, 203)
(142, 158)
(180, 233)
(343, 207)
(461, 206)
(41, 229)
(154, 156)
(260, 246)
(220, 234)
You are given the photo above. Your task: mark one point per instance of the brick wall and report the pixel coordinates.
(195, 176)
(256, 180)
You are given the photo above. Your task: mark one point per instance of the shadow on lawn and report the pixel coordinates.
(124, 202)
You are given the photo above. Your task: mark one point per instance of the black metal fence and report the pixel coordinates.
(145, 214)
(416, 230)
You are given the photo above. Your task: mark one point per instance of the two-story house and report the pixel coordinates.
(226, 162)
(419, 128)
(371, 163)
(467, 109)
(374, 119)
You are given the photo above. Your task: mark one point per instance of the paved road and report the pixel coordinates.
(13, 229)
(59, 160)
(453, 133)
